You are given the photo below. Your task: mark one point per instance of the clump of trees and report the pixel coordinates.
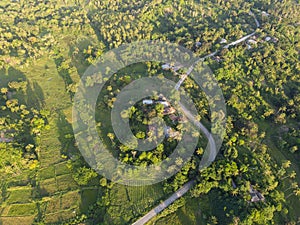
(20, 128)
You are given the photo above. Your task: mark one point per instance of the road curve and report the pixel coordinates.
(213, 152)
(211, 140)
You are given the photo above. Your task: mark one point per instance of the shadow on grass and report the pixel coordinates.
(78, 59)
(63, 71)
(13, 75)
(66, 136)
(35, 95)
(32, 97)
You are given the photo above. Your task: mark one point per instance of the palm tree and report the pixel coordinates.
(286, 164)
(235, 192)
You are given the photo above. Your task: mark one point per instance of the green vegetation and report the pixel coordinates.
(45, 47)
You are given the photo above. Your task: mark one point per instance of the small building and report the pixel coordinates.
(169, 110)
(223, 41)
(268, 38)
(164, 103)
(256, 196)
(180, 118)
(176, 68)
(161, 97)
(166, 66)
(264, 13)
(198, 44)
(147, 101)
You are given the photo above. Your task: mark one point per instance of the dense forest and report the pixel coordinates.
(46, 47)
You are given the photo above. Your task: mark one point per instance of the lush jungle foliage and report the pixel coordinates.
(45, 47)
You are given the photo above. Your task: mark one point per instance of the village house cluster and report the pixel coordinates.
(253, 42)
(256, 196)
(170, 111)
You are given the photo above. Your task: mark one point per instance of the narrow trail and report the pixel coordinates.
(213, 152)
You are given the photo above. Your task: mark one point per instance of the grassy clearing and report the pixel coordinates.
(88, 198)
(47, 173)
(144, 197)
(53, 205)
(70, 200)
(21, 195)
(61, 169)
(66, 182)
(48, 187)
(26, 220)
(51, 146)
(48, 89)
(19, 180)
(5, 210)
(60, 216)
(61, 183)
(51, 153)
(190, 214)
(49, 84)
(138, 201)
(65, 202)
(52, 218)
(170, 219)
(22, 209)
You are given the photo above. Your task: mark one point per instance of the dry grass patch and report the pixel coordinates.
(26, 220)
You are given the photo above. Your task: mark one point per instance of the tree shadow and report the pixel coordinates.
(77, 56)
(63, 71)
(94, 25)
(32, 96)
(35, 95)
(66, 136)
(13, 75)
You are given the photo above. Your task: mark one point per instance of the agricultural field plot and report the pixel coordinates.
(19, 195)
(17, 220)
(28, 209)
(137, 200)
